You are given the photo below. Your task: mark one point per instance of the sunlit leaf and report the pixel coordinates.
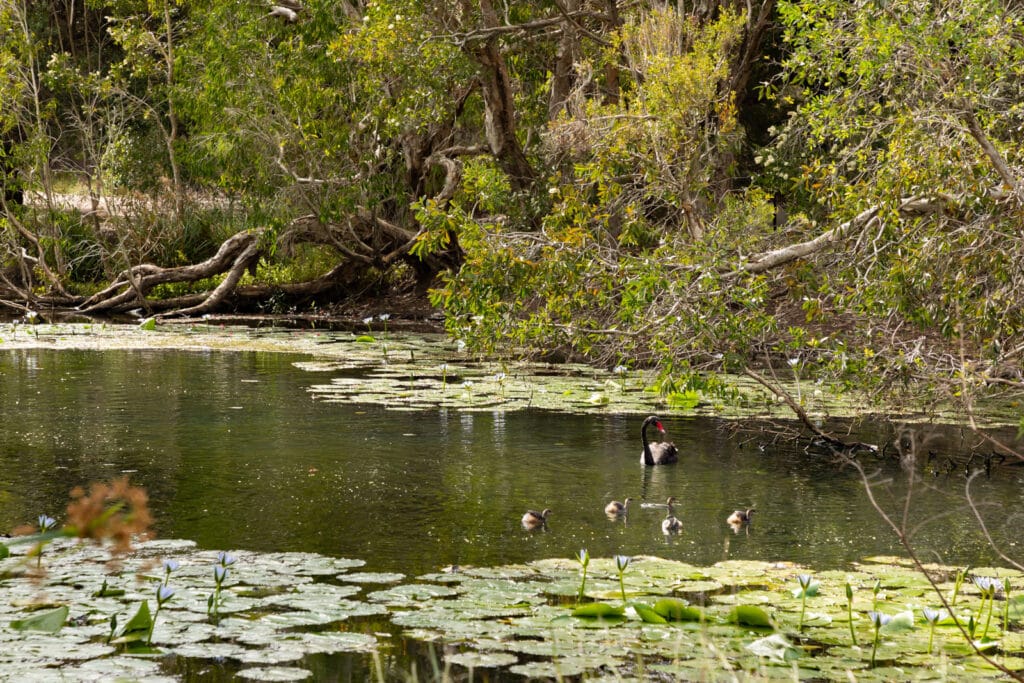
(49, 622)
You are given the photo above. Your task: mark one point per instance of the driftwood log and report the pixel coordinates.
(130, 287)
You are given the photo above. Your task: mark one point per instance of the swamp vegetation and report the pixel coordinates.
(767, 209)
(700, 190)
(374, 534)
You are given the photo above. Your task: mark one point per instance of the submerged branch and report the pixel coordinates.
(835, 443)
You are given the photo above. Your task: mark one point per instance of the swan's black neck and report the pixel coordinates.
(648, 458)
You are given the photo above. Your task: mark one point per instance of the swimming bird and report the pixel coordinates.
(615, 508)
(667, 504)
(741, 516)
(671, 524)
(660, 452)
(533, 519)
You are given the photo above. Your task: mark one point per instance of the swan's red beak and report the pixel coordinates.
(660, 428)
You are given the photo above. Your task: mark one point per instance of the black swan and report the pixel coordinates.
(615, 508)
(533, 519)
(658, 453)
(741, 517)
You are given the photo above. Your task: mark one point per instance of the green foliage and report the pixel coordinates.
(899, 104)
(50, 621)
(750, 615)
(598, 610)
(138, 628)
(625, 227)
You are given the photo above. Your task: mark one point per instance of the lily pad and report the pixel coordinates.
(776, 648)
(674, 609)
(598, 610)
(750, 615)
(275, 673)
(648, 614)
(48, 622)
(478, 660)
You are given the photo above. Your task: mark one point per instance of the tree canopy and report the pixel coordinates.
(832, 185)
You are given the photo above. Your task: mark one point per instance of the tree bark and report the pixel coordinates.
(565, 58)
(499, 106)
(765, 261)
(132, 286)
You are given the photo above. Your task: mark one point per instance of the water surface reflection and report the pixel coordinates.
(236, 454)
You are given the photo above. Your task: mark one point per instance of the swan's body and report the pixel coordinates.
(659, 452)
(533, 519)
(741, 517)
(615, 508)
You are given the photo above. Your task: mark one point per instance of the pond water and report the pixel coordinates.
(236, 453)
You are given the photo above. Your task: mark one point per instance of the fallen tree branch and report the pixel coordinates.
(244, 260)
(765, 261)
(833, 442)
(1002, 168)
(131, 286)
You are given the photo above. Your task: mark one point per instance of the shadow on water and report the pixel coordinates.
(235, 453)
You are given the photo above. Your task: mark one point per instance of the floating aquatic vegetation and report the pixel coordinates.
(419, 384)
(83, 616)
(542, 618)
(583, 557)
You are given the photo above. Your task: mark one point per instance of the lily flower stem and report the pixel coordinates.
(803, 608)
(991, 606)
(931, 635)
(874, 647)
(849, 614)
(152, 625)
(622, 587)
(583, 584)
(960, 574)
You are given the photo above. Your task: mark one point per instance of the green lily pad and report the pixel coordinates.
(48, 622)
(776, 648)
(478, 660)
(372, 577)
(648, 614)
(598, 610)
(411, 594)
(674, 609)
(750, 615)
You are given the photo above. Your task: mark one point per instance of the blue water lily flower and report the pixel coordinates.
(934, 616)
(46, 523)
(987, 585)
(226, 560)
(163, 594)
(879, 619)
(622, 561)
(169, 566)
(220, 572)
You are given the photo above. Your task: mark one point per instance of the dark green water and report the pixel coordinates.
(235, 453)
